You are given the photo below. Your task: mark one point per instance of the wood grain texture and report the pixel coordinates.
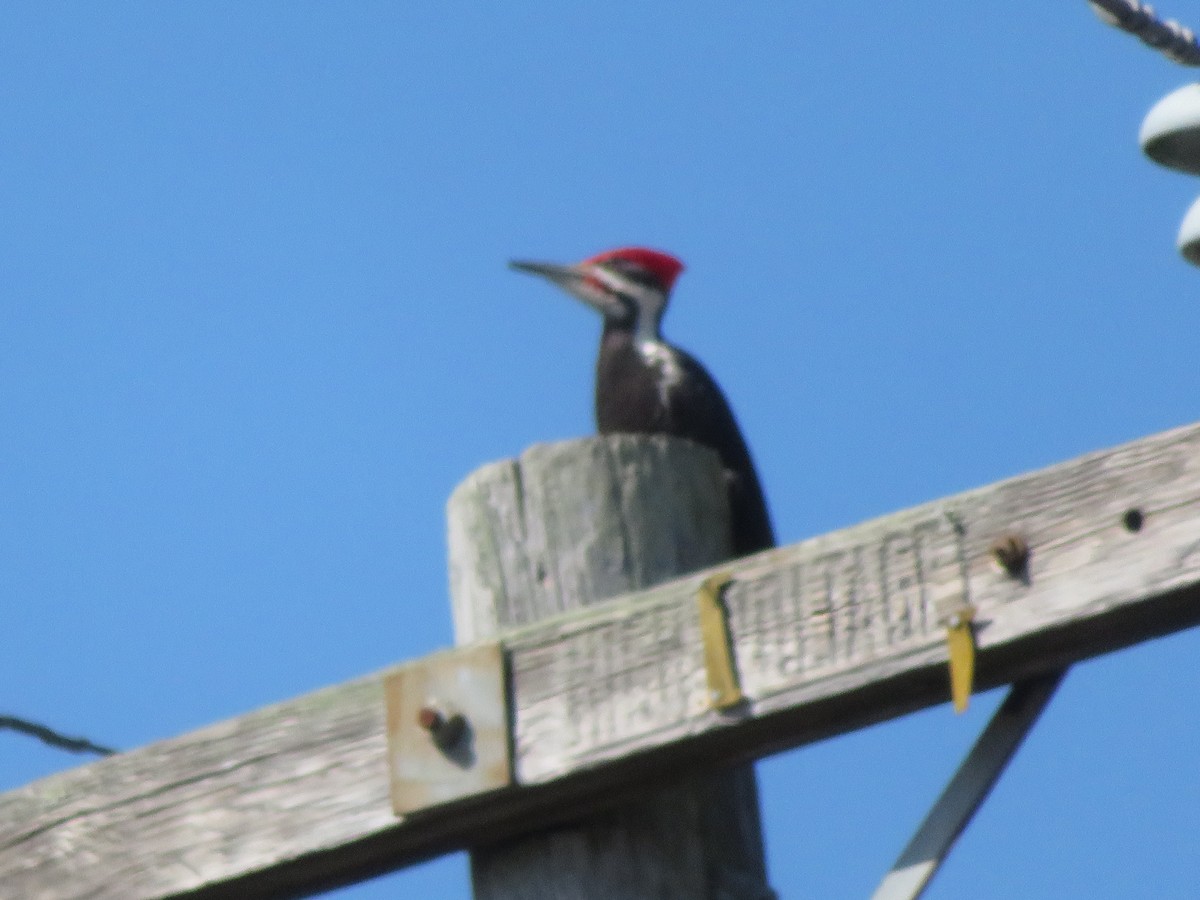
(572, 526)
(830, 634)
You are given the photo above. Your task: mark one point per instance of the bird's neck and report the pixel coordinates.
(644, 334)
(644, 356)
(635, 382)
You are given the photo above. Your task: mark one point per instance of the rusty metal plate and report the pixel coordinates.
(447, 728)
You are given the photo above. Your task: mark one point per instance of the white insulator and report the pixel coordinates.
(1170, 132)
(1189, 235)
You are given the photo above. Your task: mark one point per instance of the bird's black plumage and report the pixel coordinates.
(645, 385)
(667, 391)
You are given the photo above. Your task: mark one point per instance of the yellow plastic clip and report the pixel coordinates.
(960, 637)
(723, 688)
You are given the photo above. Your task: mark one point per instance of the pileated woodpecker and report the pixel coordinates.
(644, 385)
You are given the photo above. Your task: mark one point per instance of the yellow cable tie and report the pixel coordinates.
(960, 638)
(723, 688)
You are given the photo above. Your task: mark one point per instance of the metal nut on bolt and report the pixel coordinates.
(1012, 554)
(446, 730)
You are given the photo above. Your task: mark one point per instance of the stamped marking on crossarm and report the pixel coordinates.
(838, 606)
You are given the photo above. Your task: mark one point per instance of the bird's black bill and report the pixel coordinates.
(546, 270)
(578, 281)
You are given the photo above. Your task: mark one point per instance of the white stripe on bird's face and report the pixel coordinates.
(648, 302)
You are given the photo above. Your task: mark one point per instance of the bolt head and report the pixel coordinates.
(430, 718)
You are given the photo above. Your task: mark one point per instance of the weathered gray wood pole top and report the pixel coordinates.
(571, 525)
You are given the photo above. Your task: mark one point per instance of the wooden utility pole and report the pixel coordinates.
(828, 635)
(575, 525)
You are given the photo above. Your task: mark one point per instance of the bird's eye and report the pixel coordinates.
(631, 271)
(616, 266)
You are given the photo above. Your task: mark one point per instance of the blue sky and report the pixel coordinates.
(257, 325)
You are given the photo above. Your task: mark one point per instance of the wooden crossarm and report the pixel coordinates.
(829, 635)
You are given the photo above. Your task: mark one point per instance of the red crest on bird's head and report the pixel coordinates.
(663, 266)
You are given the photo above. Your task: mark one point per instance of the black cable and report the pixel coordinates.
(1177, 41)
(53, 738)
